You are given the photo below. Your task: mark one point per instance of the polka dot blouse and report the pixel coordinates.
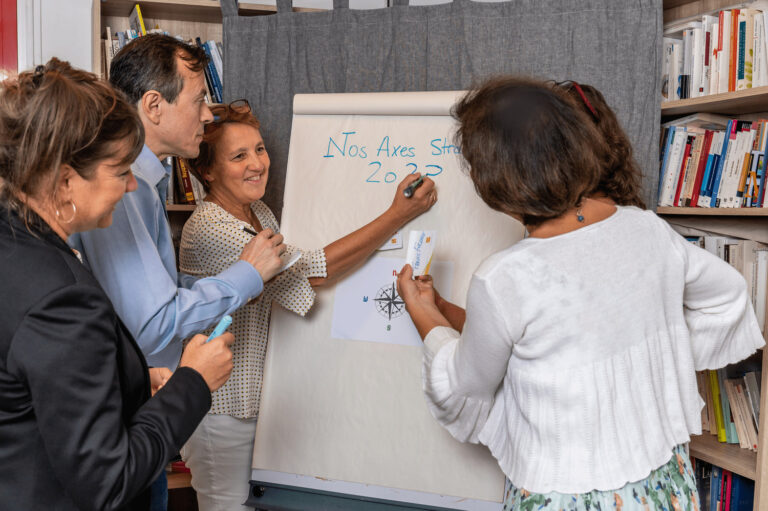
(211, 241)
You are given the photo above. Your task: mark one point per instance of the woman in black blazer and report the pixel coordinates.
(78, 429)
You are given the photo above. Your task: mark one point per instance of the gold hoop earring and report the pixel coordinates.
(72, 217)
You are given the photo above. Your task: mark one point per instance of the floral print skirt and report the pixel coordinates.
(671, 487)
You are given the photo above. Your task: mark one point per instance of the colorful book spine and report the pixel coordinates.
(706, 180)
(734, 60)
(730, 428)
(214, 72)
(743, 177)
(761, 181)
(136, 21)
(210, 73)
(714, 489)
(189, 195)
(704, 159)
(666, 149)
(683, 170)
(714, 385)
(742, 493)
(730, 136)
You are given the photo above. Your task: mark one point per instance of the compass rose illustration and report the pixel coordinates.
(388, 302)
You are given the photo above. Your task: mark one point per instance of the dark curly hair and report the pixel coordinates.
(532, 151)
(621, 178)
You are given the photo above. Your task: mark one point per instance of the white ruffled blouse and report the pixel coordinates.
(576, 362)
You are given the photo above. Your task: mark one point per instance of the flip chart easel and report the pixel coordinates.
(346, 418)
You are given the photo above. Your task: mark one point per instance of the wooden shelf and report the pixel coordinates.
(712, 211)
(180, 207)
(207, 11)
(668, 4)
(182, 10)
(728, 103)
(729, 456)
(676, 10)
(178, 480)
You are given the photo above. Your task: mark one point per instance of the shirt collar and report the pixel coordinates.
(149, 167)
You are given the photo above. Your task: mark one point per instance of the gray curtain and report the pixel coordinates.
(614, 45)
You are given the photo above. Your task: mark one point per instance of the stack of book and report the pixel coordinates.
(722, 490)
(732, 406)
(183, 186)
(721, 53)
(113, 43)
(732, 396)
(711, 161)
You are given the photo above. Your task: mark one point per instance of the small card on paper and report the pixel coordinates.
(393, 243)
(419, 253)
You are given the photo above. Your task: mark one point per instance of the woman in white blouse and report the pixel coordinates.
(576, 361)
(233, 166)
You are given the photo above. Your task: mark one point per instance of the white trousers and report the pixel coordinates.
(219, 455)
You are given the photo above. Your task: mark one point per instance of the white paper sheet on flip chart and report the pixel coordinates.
(344, 410)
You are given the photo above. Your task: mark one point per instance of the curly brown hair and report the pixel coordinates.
(532, 152)
(621, 178)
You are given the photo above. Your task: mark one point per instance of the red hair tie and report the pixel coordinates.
(584, 98)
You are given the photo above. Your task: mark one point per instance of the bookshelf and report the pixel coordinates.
(185, 10)
(729, 456)
(733, 103)
(180, 208)
(750, 101)
(189, 18)
(719, 212)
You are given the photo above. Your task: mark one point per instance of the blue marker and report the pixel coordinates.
(221, 327)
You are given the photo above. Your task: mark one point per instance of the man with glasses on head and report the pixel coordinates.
(134, 259)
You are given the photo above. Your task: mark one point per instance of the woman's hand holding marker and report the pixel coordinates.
(263, 252)
(408, 192)
(422, 197)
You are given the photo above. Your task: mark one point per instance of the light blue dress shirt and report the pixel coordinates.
(135, 263)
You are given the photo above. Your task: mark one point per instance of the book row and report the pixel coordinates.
(732, 396)
(732, 407)
(720, 53)
(713, 162)
(722, 490)
(214, 70)
(183, 186)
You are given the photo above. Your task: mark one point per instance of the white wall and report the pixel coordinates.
(55, 28)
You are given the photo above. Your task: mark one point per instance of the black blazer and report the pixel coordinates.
(78, 429)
